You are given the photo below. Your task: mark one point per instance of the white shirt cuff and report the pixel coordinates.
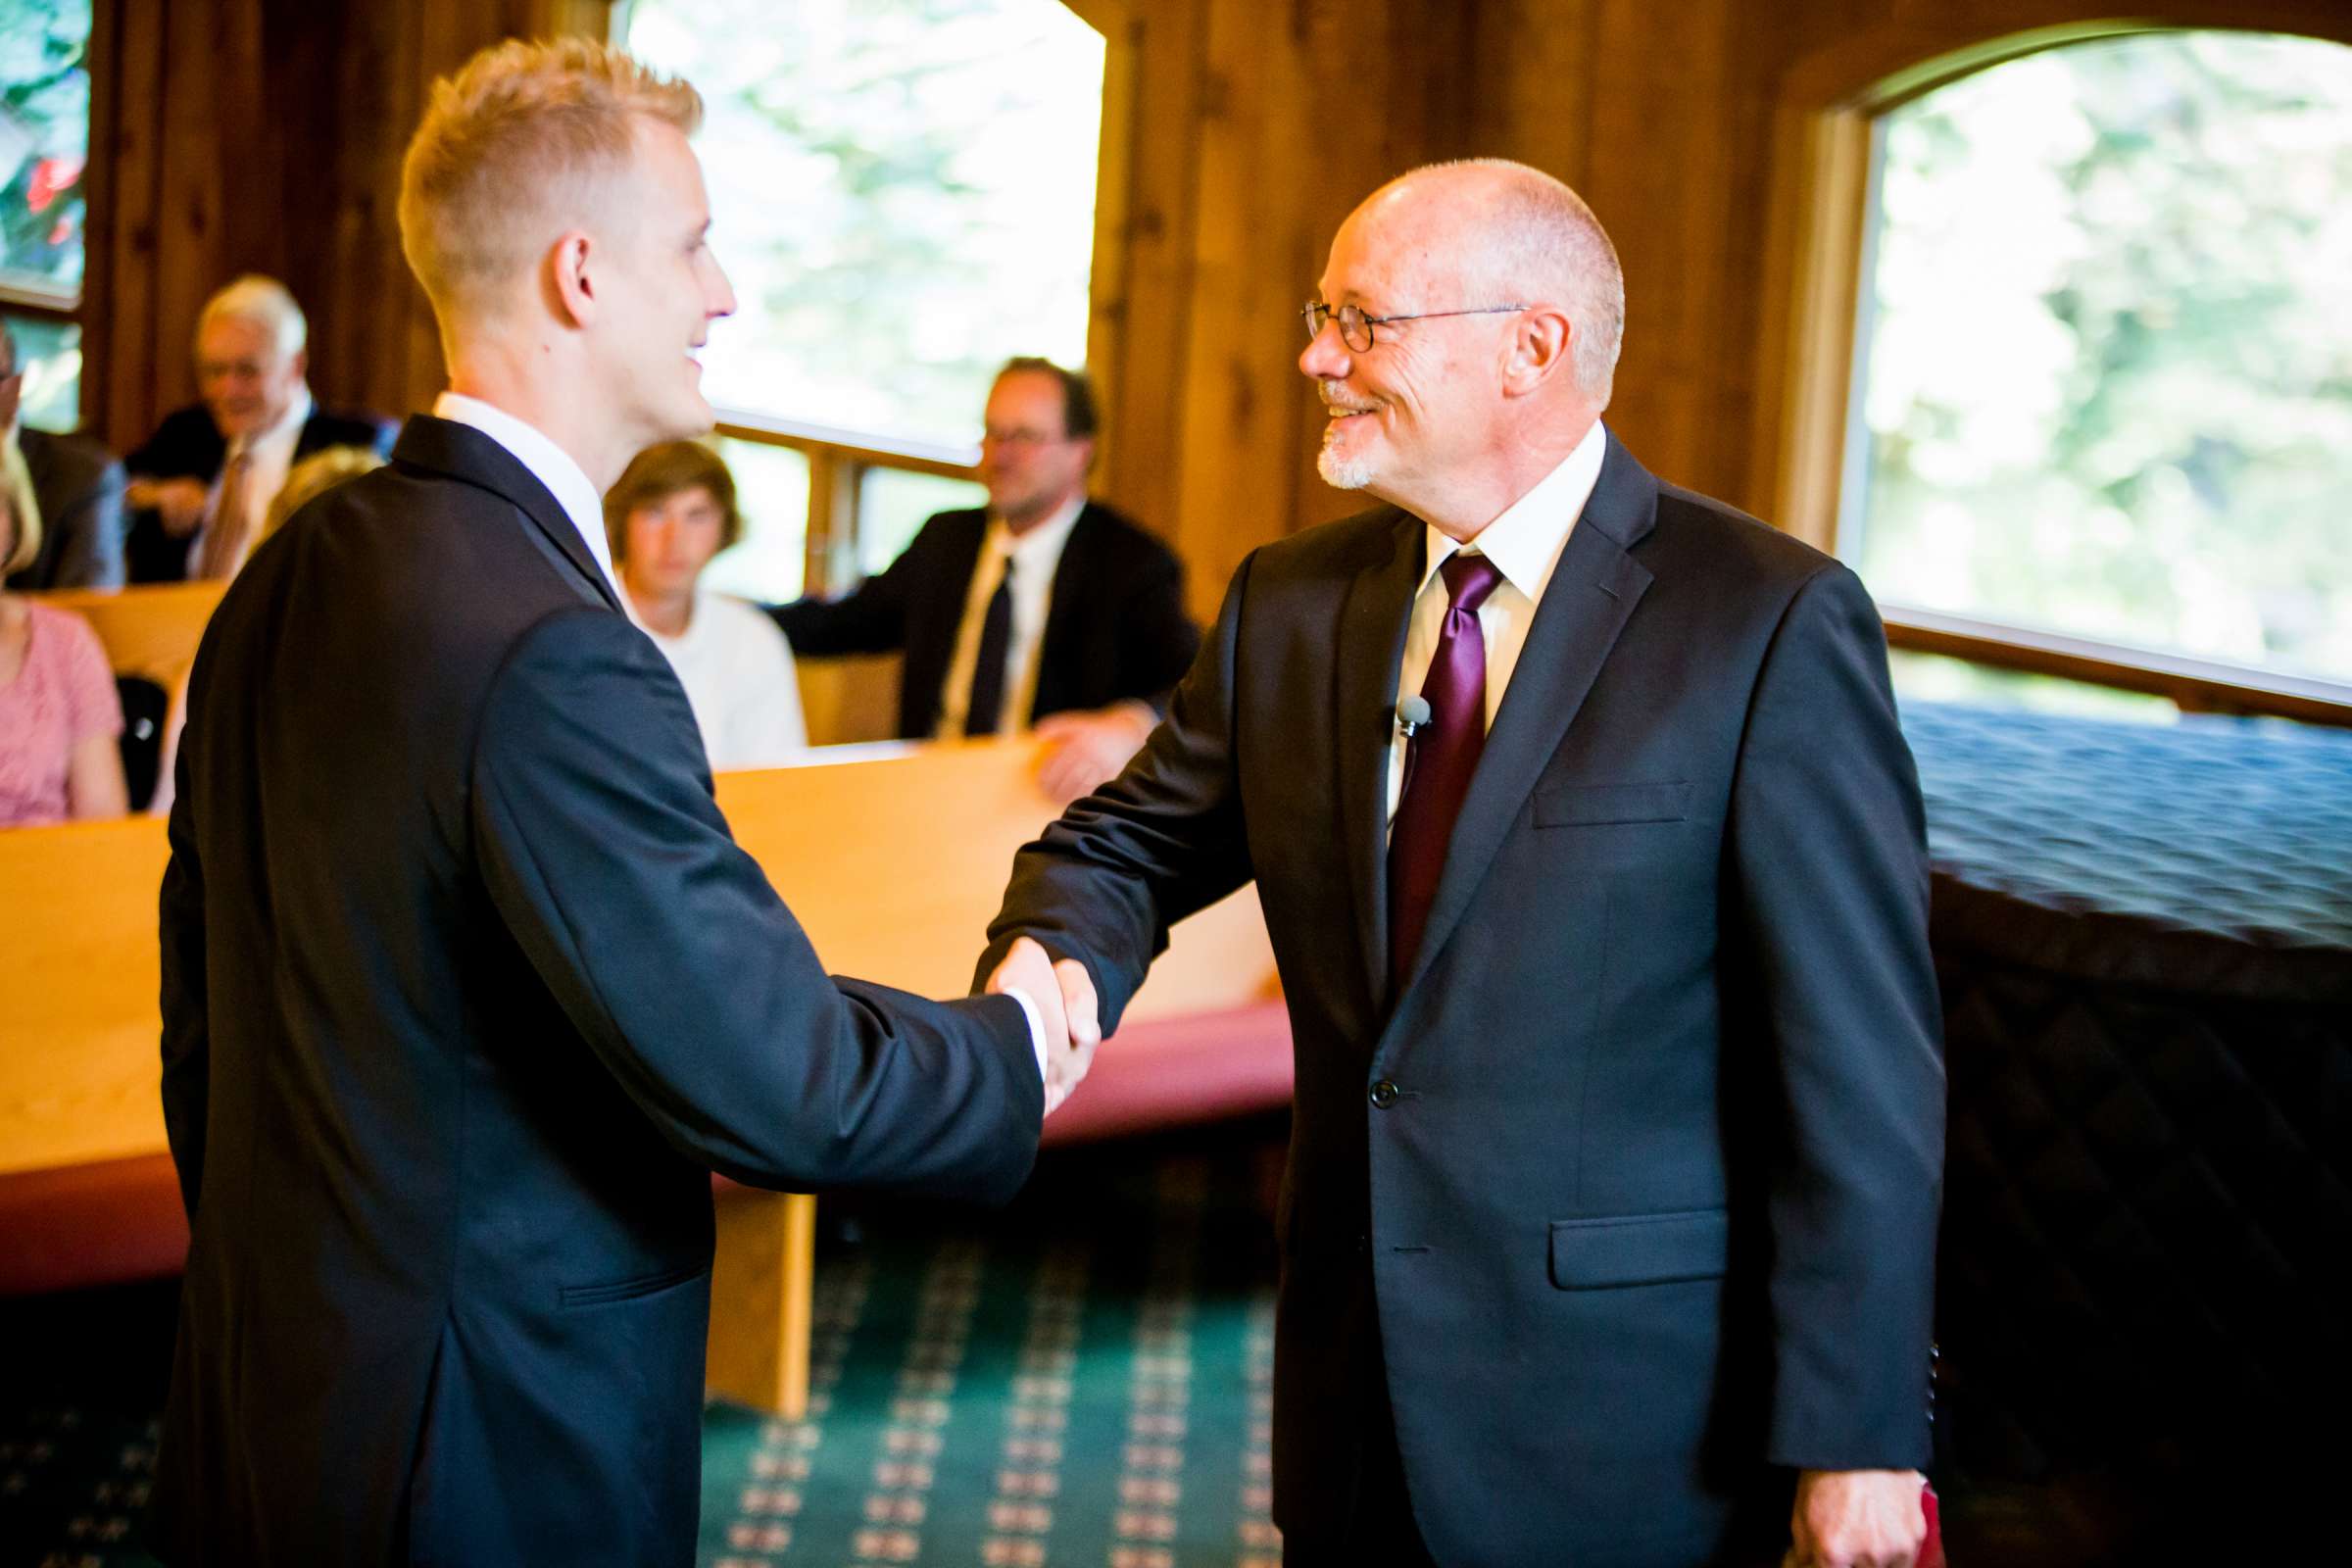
(1037, 1026)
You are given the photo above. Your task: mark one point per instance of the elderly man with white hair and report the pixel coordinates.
(1593, 858)
(203, 483)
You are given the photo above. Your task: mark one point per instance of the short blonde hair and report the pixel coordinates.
(23, 534)
(264, 302)
(313, 477)
(496, 171)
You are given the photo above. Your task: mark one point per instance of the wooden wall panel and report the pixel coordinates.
(266, 135)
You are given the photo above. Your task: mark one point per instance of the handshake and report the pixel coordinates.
(1064, 998)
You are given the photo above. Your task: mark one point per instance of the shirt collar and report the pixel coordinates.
(1526, 540)
(550, 464)
(1041, 543)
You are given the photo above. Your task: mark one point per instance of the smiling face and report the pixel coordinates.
(660, 291)
(1408, 413)
(245, 379)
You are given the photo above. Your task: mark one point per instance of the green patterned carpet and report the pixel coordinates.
(1078, 1381)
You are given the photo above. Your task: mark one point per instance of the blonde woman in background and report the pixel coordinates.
(672, 510)
(61, 720)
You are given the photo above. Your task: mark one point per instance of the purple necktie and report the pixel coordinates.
(1439, 758)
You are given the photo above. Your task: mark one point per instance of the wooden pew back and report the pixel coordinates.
(894, 860)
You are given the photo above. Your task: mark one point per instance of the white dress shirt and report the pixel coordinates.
(269, 456)
(1525, 544)
(1035, 556)
(550, 464)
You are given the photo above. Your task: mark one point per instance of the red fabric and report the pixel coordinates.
(1175, 1072)
(102, 1224)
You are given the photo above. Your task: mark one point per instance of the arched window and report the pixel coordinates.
(902, 193)
(2104, 359)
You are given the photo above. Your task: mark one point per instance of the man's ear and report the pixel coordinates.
(1538, 349)
(300, 364)
(571, 292)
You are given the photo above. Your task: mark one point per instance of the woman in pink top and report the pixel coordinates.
(58, 715)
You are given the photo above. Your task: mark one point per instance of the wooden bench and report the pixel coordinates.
(893, 856)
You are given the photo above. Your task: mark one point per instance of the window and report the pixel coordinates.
(902, 193)
(2104, 364)
(44, 149)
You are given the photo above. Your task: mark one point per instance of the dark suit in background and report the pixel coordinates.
(189, 445)
(466, 991)
(1630, 1189)
(1116, 629)
(78, 484)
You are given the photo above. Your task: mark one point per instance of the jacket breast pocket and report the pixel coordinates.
(1593, 1255)
(1596, 805)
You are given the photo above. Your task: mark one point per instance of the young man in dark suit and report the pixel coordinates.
(201, 484)
(1593, 863)
(466, 989)
(1043, 608)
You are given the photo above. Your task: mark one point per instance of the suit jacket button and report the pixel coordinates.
(1384, 1095)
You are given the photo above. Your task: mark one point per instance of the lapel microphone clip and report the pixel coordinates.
(1413, 715)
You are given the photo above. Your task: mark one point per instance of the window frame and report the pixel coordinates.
(839, 458)
(1827, 145)
(48, 302)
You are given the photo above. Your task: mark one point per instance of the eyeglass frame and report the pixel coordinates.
(1314, 312)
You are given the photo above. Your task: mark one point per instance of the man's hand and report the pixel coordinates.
(179, 502)
(1857, 1519)
(1064, 998)
(1084, 751)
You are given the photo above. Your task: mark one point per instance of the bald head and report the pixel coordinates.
(1505, 232)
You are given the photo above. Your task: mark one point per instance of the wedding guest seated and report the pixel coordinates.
(671, 511)
(68, 486)
(60, 718)
(203, 483)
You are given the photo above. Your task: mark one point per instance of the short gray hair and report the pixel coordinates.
(1545, 245)
(265, 302)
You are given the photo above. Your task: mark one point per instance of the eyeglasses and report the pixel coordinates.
(1355, 328)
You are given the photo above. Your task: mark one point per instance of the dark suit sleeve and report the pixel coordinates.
(91, 554)
(1158, 639)
(870, 619)
(602, 848)
(1827, 844)
(186, 1038)
(1163, 840)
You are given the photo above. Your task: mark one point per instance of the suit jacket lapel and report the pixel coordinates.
(1592, 592)
(463, 453)
(1373, 619)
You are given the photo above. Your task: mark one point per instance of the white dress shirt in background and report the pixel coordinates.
(1035, 556)
(269, 456)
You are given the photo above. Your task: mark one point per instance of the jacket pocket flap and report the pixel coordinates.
(1638, 1249)
(1587, 805)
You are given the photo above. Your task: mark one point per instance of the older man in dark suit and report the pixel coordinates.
(1593, 861)
(72, 484)
(202, 483)
(466, 989)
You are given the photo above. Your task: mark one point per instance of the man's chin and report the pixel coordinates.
(1344, 470)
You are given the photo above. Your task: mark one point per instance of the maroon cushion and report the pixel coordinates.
(1172, 1071)
(101, 1224)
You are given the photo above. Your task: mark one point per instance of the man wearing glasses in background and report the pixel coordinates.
(1044, 611)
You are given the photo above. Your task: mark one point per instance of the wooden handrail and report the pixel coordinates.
(863, 448)
(2196, 685)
